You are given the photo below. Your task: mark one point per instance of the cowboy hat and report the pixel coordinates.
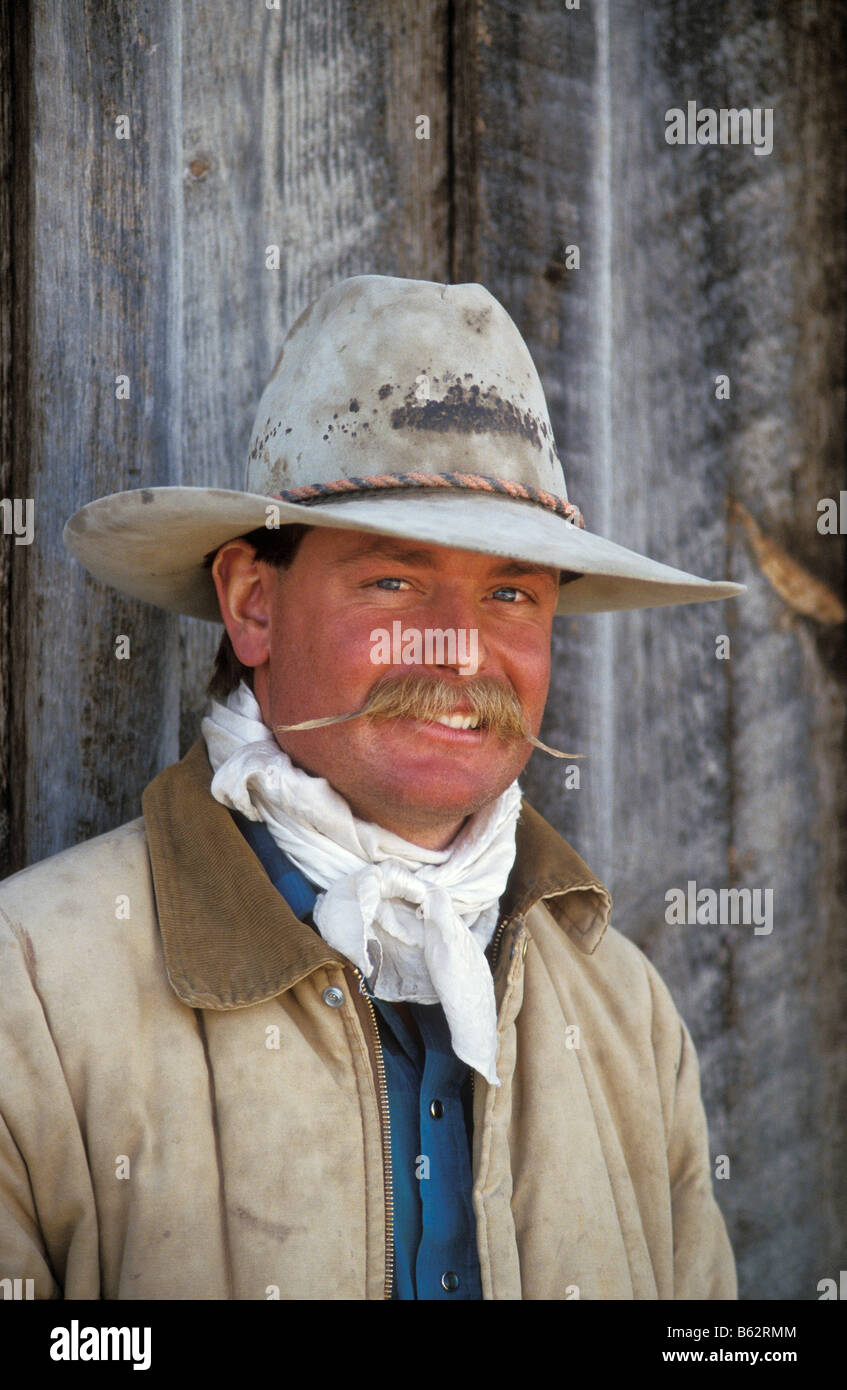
(401, 407)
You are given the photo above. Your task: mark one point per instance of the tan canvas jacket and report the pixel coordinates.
(183, 1115)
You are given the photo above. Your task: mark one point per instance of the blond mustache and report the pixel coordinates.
(427, 698)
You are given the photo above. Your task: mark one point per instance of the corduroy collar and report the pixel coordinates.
(230, 939)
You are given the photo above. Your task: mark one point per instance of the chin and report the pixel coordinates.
(436, 804)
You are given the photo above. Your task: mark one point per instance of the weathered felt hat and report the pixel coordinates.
(401, 407)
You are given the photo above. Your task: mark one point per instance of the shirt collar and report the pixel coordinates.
(230, 938)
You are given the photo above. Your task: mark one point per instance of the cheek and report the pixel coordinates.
(331, 646)
(530, 674)
(348, 645)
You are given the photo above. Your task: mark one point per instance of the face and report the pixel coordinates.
(420, 780)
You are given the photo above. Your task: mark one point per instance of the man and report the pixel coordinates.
(340, 1017)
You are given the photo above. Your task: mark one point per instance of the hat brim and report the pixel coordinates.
(151, 543)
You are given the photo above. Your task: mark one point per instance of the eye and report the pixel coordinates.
(510, 594)
(391, 583)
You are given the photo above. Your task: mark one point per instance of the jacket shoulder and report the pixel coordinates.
(617, 981)
(94, 855)
(614, 958)
(80, 885)
(568, 911)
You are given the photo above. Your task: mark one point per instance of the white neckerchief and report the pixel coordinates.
(415, 921)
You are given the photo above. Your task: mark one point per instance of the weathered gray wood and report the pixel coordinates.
(786, 269)
(719, 263)
(305, 141)
(670, 335)
(693, 262)
(103, 300)
(7, 546)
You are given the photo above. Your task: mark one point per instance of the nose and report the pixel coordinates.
(452, 637)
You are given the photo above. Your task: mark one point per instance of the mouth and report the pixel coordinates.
(453, 730)
(460, 726)
(458, 721)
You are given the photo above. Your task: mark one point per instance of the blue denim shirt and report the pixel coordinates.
(429, 1103)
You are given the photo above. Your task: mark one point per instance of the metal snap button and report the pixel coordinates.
(333, 996)
(449, 1281)
(436, 1109)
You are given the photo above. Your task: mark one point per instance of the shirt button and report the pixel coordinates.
(450, 1281)
(436, 1109)
(333, 996)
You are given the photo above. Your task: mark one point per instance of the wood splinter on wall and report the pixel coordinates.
(792, 581)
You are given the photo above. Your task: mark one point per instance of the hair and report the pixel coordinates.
(276, 547)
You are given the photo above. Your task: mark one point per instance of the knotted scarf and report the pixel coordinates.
(414, 921)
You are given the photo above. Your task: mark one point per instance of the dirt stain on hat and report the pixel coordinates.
(468, 410)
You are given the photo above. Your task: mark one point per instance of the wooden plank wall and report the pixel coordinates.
(695, 262)
(7, 480)
(253, 126)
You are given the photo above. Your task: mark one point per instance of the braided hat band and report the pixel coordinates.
(469, 482)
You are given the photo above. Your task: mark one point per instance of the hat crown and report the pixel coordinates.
(384, 376)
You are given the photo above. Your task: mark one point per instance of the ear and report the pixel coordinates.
(243, 588)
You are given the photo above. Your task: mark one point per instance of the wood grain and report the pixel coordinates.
(102, 300)
(7, 545)
(694, 262)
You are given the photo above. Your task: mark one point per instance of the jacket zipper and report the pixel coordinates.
(385, 1118)
(385, 1127)
(497, 939)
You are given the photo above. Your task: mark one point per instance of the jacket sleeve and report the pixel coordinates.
(46, 1209)
(23, 1258)
(704, 1267)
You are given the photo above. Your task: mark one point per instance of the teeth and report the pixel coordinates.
(459, 721)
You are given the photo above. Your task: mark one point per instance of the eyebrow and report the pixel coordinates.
(424, 558)
(383, 551)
